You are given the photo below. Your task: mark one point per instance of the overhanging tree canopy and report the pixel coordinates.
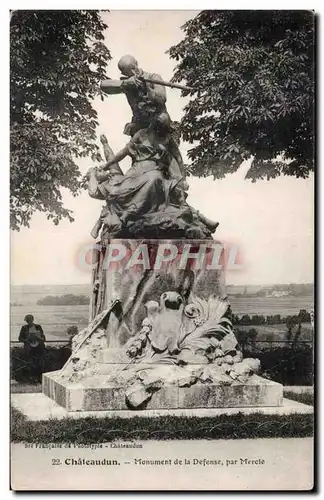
(57, 60)
(253, 72)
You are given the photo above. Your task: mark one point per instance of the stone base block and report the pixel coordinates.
(39, 407)
(98, 395)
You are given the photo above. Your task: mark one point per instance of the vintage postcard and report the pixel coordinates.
(162, 260)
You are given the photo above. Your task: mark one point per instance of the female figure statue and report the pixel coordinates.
(146, 187)
(150, 199)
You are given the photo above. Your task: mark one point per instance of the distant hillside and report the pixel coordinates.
(291, 289)
(64, 300)
(30, 294)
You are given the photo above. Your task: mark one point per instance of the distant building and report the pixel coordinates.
(283, 293)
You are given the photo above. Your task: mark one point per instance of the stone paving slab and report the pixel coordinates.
(299, 389)
(39, 407)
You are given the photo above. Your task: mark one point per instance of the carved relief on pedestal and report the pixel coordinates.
(178, 344)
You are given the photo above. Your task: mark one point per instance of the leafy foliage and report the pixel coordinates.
(211, 326)
(253, 75)
(28, 367)
(287, 365)
(57, 60)
(303, 397)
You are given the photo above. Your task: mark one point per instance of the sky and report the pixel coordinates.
(271, 222)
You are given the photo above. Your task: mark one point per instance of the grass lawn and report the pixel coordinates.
(20, 388)
(304, 397)
(94, 430)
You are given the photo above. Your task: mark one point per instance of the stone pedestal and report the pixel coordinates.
(137, 271)
(160, 335)
(98, 395)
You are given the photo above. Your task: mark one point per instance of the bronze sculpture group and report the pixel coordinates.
(150, 199)
(165, 330)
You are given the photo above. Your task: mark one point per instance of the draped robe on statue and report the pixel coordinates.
(144, 188)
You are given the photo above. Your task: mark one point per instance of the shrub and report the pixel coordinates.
(286, 365)
(274, 319)
(246, 338)
(28, 367)
(72, 331)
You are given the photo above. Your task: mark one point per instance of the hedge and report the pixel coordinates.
(28, 368)
(286, 365)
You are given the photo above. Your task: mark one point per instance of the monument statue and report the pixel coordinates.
(148, 200)
(146, 95)
(145, 99)
(160, 333)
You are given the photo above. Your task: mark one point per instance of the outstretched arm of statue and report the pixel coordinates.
(116, 158)
(109, 154)
(112, 87)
